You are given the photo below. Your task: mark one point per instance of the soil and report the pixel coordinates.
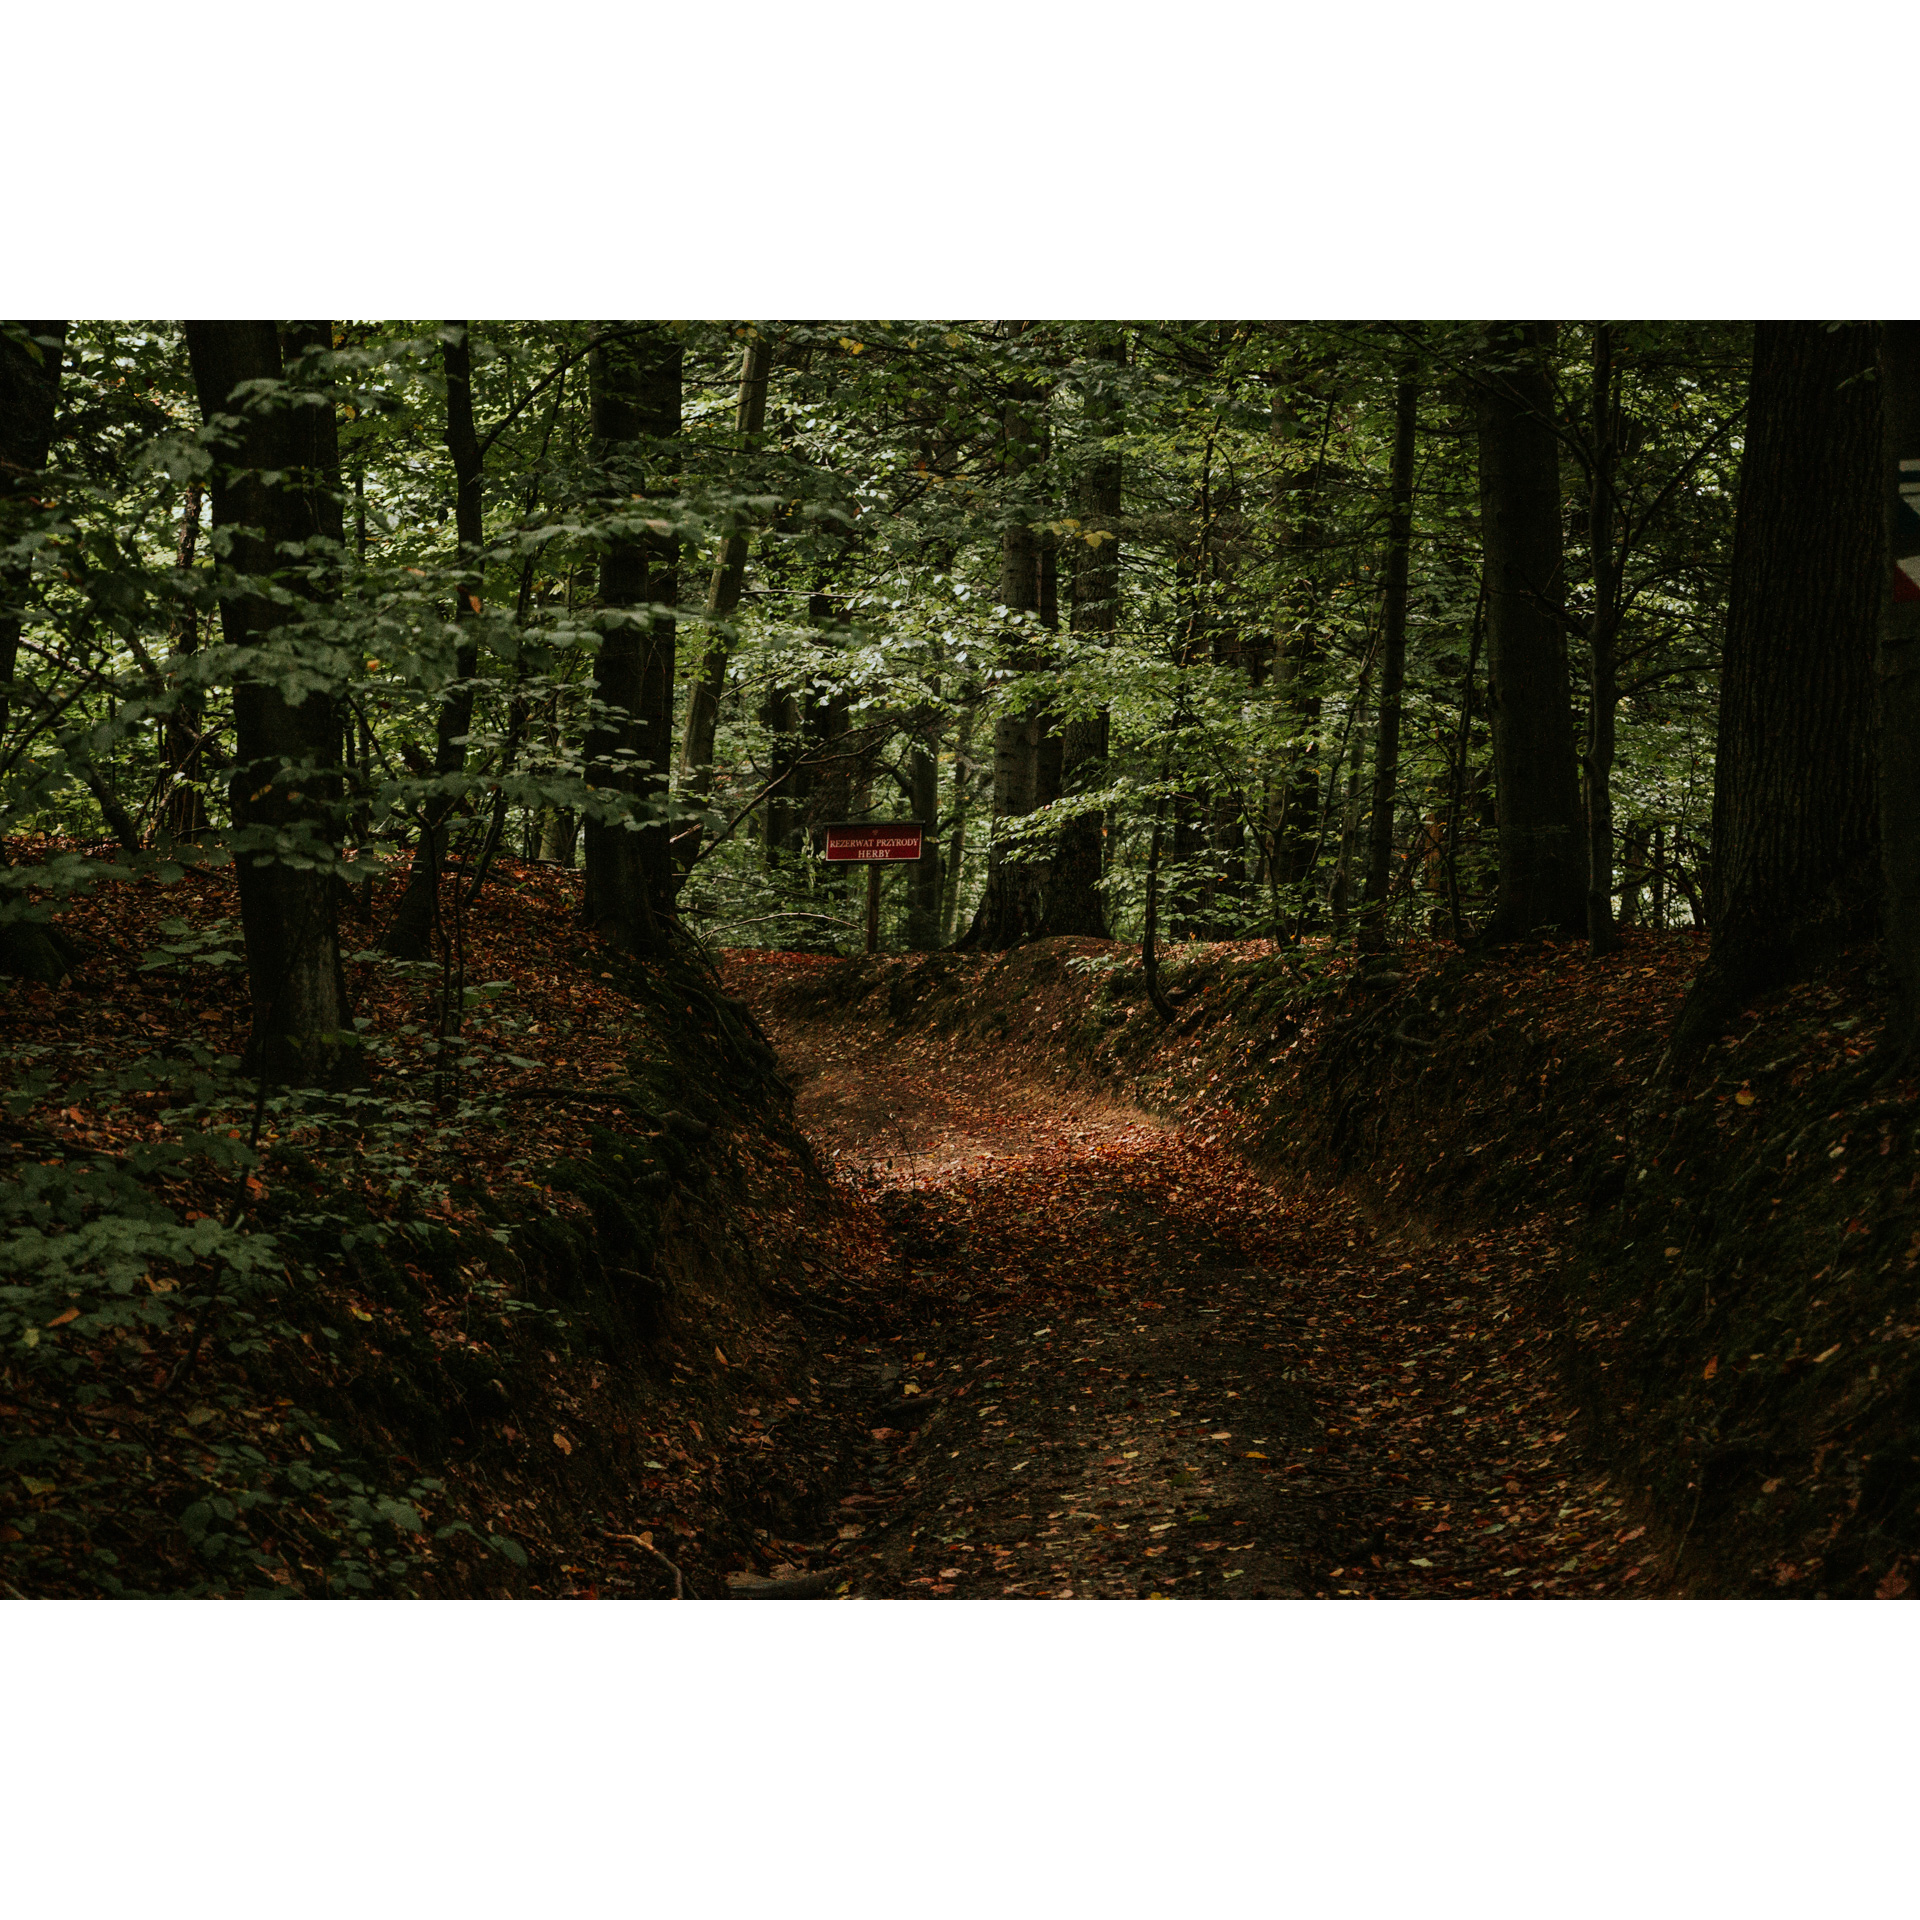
(1132, 1366)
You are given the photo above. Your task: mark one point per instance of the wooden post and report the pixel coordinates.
(873, 906)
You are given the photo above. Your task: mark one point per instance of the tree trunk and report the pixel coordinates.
(272, 484)
(1899, 675)
(1294, 813)
(1633, 873)
(1074, 903)
(410, 937)
(183, 807)
(923, 882)
(1796, 851)
(29, 402)
(1543, 880)
(1025, 753)
(1603, 681)
(1340, 888)
(723, 594)
(963, 771)
(635, 384)
(1393, 662)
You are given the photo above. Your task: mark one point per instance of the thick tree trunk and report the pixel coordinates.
(635, 383)
(1795, 806)
(1393, 662)
(274, 484)
(723, 593)
(410, 937)
(1543, 880)
(29, 403)
(1899, 675)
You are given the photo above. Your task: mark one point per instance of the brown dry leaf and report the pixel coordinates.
(561, 1441)
(61, 1319)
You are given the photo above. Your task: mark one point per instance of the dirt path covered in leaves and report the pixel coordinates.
(1136, 1369)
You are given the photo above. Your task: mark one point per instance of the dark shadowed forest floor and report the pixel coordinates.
(1136, 1369)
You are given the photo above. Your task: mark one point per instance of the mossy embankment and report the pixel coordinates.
(1735, 1294)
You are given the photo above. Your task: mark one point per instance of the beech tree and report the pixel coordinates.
(1542, 865)
(636, 381)
(1795, 868)
(274, 488)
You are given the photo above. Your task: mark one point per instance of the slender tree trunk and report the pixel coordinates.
(1074, 903)
(723, 594)
(1796, 854)
(1294, 819)
(635, 383)
(1456, 915)
(272, 485)
(1603, 681)
(29, 404)
(183, 807)
(962, 791)
(1149, 934)
(923, 882)
(410, 937)
(1633, 873)
(1013, 907)
(1899, 675)
(1393, 662)
(1340, 891)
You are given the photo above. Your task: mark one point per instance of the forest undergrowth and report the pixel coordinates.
(1410, 1277)
(528, 1313)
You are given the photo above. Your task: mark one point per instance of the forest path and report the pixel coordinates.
(1137, 1369)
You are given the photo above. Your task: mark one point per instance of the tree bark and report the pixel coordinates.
(29, 403)
(1603, 679)
(1294, 813)
(723, 593)
(923, 882)
(635, 385)
(410, 937)
(963, 772)
(1393, 662)
(1899, 676)
(1543, 882)
(1795, 869)
(1074, 903)
(1025, 751)
(183, 810)
(271, 485)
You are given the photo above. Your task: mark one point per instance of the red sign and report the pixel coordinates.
(888, 840)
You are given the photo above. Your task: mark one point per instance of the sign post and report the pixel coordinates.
(873, 843)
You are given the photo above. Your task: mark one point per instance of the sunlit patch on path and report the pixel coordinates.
(1143, 1371)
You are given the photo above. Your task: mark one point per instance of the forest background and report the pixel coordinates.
(1604, 228)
